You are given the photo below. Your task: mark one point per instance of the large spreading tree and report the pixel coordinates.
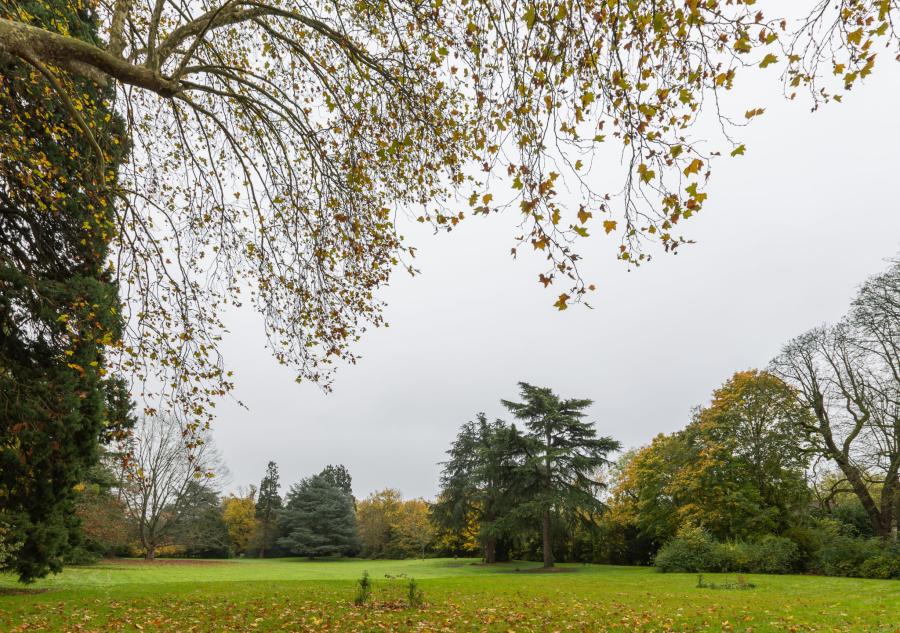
(848, 375)
(271, 143)
(562, 460)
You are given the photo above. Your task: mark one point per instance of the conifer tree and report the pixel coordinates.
(477, 480)
(268, 504)
(562, 457)
(318, 519)
(58, 305)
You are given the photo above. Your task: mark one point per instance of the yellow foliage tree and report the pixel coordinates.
(239, 514)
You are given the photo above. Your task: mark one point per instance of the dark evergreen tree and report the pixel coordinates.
(478, 479)
(201, 529)
(268, 505)
(58, 303)
(318, 519)
(339, 477)
(562, 457)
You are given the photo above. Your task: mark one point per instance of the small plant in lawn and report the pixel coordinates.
(414, 596)
(363, 590)
(740, 583)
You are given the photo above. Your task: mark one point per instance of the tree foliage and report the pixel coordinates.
(318, 519)
(58, 299)
(736, 471)
(268, 504)
(339, 477)
(562, 458)
(270, 145)
(239, 514)
(477, 479)
(391, 527)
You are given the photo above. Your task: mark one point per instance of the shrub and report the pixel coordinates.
(841, 555)
(695, 551)
(414, 595)
(774, 555)
(363, 590)
(692, 550)
(885, 564)
(80, 555)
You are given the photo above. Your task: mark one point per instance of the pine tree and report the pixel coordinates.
(58, 303)
(268, 505)
(318, 519)
(562, 455)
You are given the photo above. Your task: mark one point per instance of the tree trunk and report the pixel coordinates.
(151, 552)
(490, 550)
(548, 544)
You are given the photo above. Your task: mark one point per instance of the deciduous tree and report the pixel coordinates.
(160, 475)
(849, 378)
(273, 142)
(239, 514)
(376, 516)
(737, 470)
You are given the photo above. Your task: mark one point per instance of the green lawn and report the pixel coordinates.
(300, 595)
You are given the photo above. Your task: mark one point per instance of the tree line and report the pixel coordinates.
(157, 497)
(789, 468)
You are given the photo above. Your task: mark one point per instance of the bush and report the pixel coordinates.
(885, 564)
(363, 590)
(773, 555)
(695, 551)
(692, 550)
(81, 556)
(843, 555)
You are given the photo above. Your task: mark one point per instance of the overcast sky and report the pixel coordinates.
(789, 232)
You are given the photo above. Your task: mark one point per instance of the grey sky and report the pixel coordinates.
(789, 232)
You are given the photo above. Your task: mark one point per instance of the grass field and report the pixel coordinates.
(300, 595)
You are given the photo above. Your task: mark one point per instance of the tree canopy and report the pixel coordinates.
(318, 519)
(562, 457)
(737, 470)
(269, 144)
(848, 375)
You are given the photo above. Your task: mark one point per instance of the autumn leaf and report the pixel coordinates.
(693, 167)
(562, 302)
(609, 226)
(768, 60)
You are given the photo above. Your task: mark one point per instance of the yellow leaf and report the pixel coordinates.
(768, 60)
(694, 167)
(561, 303)
(609, 226)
